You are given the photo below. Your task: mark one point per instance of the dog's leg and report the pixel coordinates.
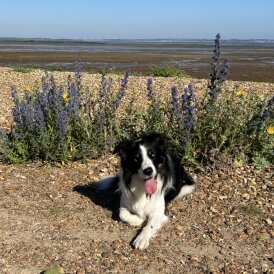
(153, 224)
(185, 190)
(130, 218)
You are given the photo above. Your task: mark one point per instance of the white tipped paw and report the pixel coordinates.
(136, 221)
(142, 241)
(129, 218)
(164, 219)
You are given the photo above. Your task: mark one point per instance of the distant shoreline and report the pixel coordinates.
(247, 62)
(140, 41)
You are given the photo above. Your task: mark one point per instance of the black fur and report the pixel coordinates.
(166, 164)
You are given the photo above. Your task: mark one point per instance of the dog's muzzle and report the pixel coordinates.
(148, 171)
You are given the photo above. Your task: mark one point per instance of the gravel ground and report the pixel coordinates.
(225, 226)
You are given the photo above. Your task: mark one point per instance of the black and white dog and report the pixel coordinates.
(149, 178)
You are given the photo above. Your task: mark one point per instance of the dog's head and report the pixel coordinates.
(145, 156)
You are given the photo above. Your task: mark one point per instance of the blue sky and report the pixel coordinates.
(99, 19)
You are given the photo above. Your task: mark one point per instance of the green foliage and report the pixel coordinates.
(252, 209)
(49, 124)
(21, 69)
(54, 68)
(221, 128)
(260, 134)
(201, 133)
(168, 71)
(235, 125)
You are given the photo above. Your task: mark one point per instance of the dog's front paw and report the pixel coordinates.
(136, 221)
(142, 241)
(130, 218)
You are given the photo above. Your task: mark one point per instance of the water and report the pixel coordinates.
(160, 46)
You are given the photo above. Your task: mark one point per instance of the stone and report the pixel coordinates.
(269, 221)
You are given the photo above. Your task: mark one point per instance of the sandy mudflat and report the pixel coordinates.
(247, 62)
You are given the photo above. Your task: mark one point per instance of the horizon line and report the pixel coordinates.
(143, 39)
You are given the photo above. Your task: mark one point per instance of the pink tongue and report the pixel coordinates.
(150, 186)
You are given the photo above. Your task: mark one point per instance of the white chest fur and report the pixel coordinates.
(136, 201)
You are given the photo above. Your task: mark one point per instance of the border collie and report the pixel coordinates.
(149, 178)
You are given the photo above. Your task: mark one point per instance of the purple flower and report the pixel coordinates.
(266, 111)
(23, 112)
(183, 113)
(62, 124)
(42, 98)
(175, 106)
(78, 73)
(52, 94)
(74, 99)
(269, 109)
(16, 110)
(189, 105)
(45, 83)
(103, 102)
(151, 94)
(39, 117)
(122, 92)
(225, 70)
(218, 75)
(217, 47)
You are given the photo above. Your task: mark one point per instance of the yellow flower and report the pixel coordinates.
(65, 97)
(149, 103)
(162, 107)
(262, 96)
(27, 88)
(240, 93)
(270, 130)
(238, 162)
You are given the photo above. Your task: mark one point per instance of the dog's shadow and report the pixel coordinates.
(109, 200)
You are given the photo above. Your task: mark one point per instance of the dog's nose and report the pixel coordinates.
(148, 171)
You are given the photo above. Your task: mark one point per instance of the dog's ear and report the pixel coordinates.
(163, 141)
(120, 148)
(160, 138)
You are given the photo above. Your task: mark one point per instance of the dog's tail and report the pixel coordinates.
(107, 183)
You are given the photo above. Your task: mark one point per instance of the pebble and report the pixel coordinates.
(54, 270)
(94, 178)
(249, 230)
(246, 196)
(269, 221)
(213, 209)
(194, 259)
(114, 161)
(81, 271)
(264, 236)
(104, 254)
(116, 252)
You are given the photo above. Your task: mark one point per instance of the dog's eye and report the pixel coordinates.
(137, 158)
(151, 154)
